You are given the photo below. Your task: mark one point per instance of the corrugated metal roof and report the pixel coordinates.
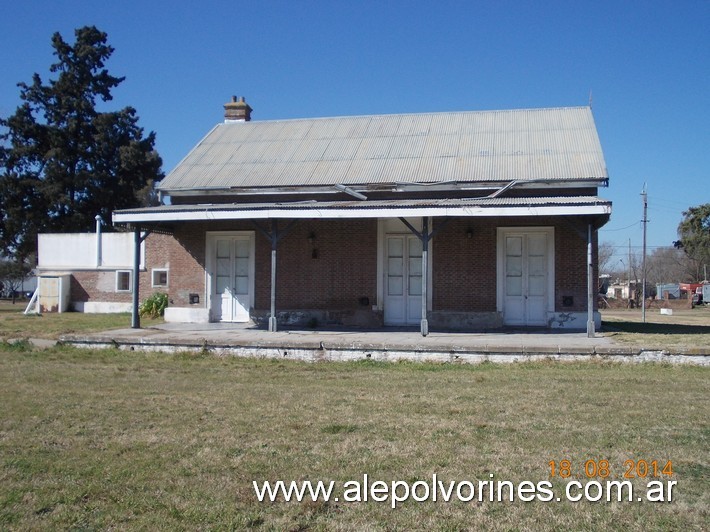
(476, 146)
(481, 207)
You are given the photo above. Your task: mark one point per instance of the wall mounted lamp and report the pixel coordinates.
(311, 243)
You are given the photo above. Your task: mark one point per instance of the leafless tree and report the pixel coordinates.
(671, 265)
(605, 253)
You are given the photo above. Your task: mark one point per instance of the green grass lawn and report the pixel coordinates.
(15, 324)
(115, 439)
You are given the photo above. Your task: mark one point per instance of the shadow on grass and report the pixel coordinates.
(654, 328)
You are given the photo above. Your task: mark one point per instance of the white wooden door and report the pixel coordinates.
(403, 280)
(232, 278)
(525, 282)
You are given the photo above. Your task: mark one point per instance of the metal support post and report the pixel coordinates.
(98, 240)
(425, 262)
(138, 240)
(590, 285)
(274, 236)
(274, 242)
(425, 236)
(135, 315)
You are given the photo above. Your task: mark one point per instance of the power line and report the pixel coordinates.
(647, 247)
(620, 229)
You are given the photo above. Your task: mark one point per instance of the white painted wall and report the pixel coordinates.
(187, 315)
(78, 251)
(99, 307)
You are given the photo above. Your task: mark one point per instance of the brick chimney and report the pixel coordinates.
(237, 110)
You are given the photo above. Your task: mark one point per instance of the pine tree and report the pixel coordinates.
(62, 161)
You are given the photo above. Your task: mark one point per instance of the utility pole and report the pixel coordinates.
(643, 267)
(628, 286)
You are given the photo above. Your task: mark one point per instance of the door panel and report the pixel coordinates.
(403, 287)
(232, 278)
(414, 280)
(536, 278)
(514, 297)
(241, 268)
(395, 298)
(526, 271)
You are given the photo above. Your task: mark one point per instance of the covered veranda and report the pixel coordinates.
(275, 220)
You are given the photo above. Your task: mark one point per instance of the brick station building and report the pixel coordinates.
(456, 221)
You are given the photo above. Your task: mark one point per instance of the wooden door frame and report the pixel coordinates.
(382, 232)
(502, 232)
(210, 239)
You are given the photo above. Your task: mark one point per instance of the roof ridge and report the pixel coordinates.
(388, 115)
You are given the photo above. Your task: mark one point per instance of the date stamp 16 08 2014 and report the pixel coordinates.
(603, 469)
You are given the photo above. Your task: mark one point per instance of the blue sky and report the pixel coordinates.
(646, 63)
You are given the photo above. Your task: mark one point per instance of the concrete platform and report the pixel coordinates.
(389, 344)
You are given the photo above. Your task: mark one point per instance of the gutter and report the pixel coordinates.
(397, 186)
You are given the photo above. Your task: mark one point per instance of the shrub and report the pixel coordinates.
(154, 306)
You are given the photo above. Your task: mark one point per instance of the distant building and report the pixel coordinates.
(668, 291)
(623, 289)
(92, 272)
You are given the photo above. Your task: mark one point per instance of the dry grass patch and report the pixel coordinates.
(15, 324)
(111, 439)
(685, 328)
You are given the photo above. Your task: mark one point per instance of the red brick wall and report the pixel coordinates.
(100, 286)
(571, 265)
(343, 272)
(185, 254)
(96, 286)
(464, 270)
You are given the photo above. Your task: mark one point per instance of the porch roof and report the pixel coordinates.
(467, 207)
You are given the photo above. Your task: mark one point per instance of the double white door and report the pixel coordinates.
(232, 278)
(525, 278)
(403, 280)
